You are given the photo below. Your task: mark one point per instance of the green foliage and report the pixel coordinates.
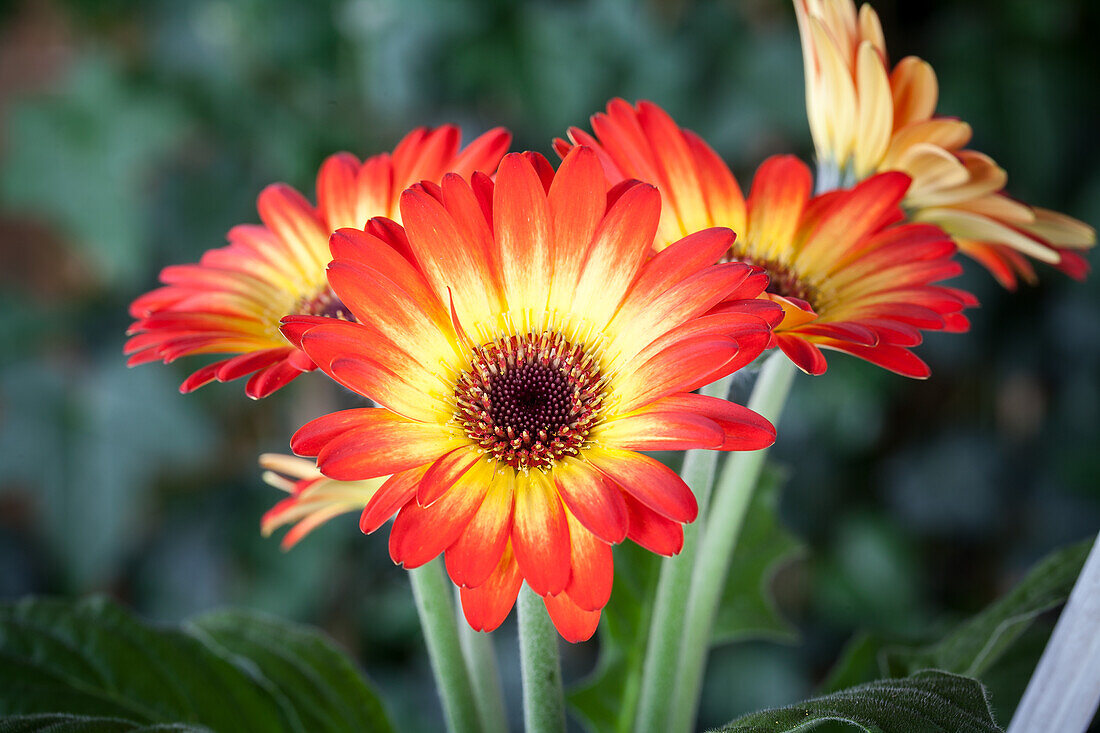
(83, 156)
(859, 661)
(748, 609)
(318, 680)
(90, 442)
(928, 702)
(976, 645)
(608, 699)
(223, 671)
(58, 723)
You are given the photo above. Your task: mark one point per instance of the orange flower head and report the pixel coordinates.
(232, 300)
(523, 343)
(866, 118)
(313, 497)
(848, 276)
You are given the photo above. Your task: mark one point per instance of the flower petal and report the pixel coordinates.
(577, 204)
(337, 193)
(652, 531)
(648, 430)
(596, 502)
(681, 367)
(896, 359)
(456, 262)
(573, 622)
(328, 343)
(778, 195)
(368, 377)
(292, 219)
(540, 534)
(670, 266)
(483, 153)
(444, 473)
(487, 605)
(398, 490)
(805, 355)
(621, 244)
(915, 91)
(419, 534)
(593, 568)
(647, 480)
(742, 428)
(521, 223)
(312, 437)
(417, 325)
(476, 553)
(386, 445)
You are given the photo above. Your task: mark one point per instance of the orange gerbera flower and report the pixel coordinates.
(232, 300)
(314, 498)
(847, 276)
(866, 119)
(521, 355)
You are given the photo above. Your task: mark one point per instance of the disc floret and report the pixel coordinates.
(783, 280)
(324, 303)
(529, 399)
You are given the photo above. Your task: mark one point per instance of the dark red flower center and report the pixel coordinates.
(326, 304)
(782, 280)
(528, 400)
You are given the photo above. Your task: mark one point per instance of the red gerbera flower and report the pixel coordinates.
(232, 300)
(847, 275)
(523, 353)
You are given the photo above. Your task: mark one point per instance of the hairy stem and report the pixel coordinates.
(670, 604)
(726, 517)
(481, 664)
(543, 700)
(437, 621)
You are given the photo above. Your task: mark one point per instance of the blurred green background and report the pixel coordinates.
(134, 134)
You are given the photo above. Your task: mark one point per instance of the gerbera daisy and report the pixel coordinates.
(847, 275)
(232, 300)
(314, 498)
(521, 359)
(866, 119)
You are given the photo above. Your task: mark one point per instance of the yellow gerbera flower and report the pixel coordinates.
(866, 118)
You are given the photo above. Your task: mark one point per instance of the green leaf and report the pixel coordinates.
(61, 723)
(607, 700)
(319, 682)
(748, 609)
(221, 672)
(928, 702)
(860, 661)
(976, 645)
(93, 658)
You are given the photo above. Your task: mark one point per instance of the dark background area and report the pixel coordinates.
(135, 134)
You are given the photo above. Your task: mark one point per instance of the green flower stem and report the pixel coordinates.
(1065, 688)
(437, 621)
(543, 700)
(663, 651)
(481, 663)
(724, 521)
